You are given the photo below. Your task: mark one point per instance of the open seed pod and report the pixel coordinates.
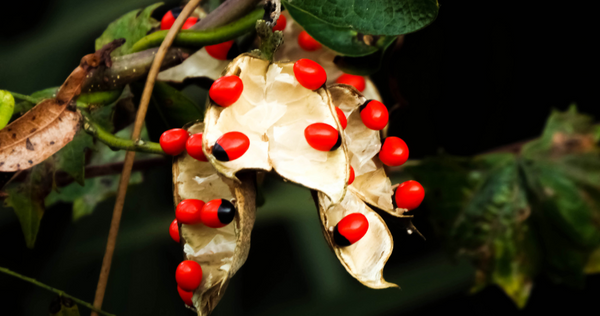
(219, 251)
(273, 111)
(365, 259)
(371, 183)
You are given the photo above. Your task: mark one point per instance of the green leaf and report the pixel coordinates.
(27, 199)
(342, 39)
(95, 190)
(481, 209)
(376, 17)
(7, 106)
(132, 27)
(71, 158)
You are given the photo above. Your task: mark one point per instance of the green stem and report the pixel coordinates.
(25, 97)
(51, 289)
(203, 37)
(116, 142)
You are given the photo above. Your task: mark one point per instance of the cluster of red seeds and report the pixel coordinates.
(215, 214)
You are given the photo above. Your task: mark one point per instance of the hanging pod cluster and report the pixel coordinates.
(269, 116)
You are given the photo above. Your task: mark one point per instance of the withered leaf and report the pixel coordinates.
(51, 124)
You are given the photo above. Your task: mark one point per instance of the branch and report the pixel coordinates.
(202, 38)
(227, 12)
(115, 142)
(130, 156)
(51, 289)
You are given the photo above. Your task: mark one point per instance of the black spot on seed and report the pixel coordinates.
(29, 145)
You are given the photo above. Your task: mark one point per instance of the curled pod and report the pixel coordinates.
(220, 251)
(363, 259)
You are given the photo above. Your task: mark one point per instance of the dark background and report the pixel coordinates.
(483, 75)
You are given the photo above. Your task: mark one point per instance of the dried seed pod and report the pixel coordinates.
(365, 259)
(273, 111)
(219, 251)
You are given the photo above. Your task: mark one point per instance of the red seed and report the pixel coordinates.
(169, 18)
(341, 117)
(357, 82)
(409, 195)
(231, 146)
(189, 23)
(374, 115)
(193, 147)
(219, 51)
(307, 42)
(309, 74)
(351, 178)
(394, 152)
(174, 230)
(188, 275)
(323, 137)
(350, 229)
(217, 213)
(226, 90)
(188, 211)
(173, 141)
(281, 23)
(186, 296)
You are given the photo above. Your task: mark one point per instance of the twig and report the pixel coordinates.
(116, 142)
(130, 156)
(51, 289)
(227, 12)
(63, 179)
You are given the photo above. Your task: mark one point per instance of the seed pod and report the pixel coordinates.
(217, 213)
(194, 179)
(273, 111)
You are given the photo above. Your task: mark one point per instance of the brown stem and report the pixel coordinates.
(227, 12)
(130, 156)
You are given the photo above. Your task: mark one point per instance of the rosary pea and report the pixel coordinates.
(394, 152)
(217, 213)
(188, 275)
(374, 115)
(323, 137)
(231, 146)
(350, 229)
(188, 211)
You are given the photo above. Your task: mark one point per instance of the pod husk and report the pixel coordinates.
(222, 251)
(273, 111)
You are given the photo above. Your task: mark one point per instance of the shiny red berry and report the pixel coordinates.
(307, 42)
(350, 229)
(219, 51)
(226, 90)
(323, 137)
(188, 211)
(188, 275)
(351, 178)
(174, 230)
(394, 152)
(173, 141)
(169, 18)
(409, 195)
(231, 146)
(341, 117)
(309, 74)
(281, 23)
(193, 146)
(217, 213)
(189, 23)
(357, 82)
(374, 115)
(186, 296)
